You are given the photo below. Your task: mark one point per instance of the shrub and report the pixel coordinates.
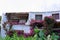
(49, 24)
(41, 35)
(52, 37)
(36, 30)
(38, 36)
(10, 33)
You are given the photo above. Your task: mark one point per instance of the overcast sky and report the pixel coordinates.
(28, 5)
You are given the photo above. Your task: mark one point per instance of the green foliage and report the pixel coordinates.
(15, 37)
(54, 36)
(49, 20)
(49, 24)
(42, 35)
(1, 38)
(35, 37)
(7, 38)
(36, 30)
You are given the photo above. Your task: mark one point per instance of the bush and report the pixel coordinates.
(49, 24)
(52, 37)
(37, 36)
(36, 30)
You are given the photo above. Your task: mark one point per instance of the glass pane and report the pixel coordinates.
(38, 17)
(55, 16)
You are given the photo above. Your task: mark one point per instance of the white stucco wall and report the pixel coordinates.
(21, 27)
(4, 19)
(32, 14)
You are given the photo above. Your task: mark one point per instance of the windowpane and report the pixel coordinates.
(55, 16)
(38, 17)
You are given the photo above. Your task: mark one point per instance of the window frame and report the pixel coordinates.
(57, 14)
(37, 17)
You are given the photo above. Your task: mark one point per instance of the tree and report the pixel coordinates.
(49, 24)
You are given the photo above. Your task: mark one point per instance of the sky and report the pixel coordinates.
(28, 6)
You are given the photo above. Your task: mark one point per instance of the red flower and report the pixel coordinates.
(10, 33)
(32, 22)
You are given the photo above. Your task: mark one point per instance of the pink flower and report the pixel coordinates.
(10, 33)
(48, 16)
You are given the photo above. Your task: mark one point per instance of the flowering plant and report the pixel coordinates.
(49, 24)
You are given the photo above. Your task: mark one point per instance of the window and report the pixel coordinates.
(55, 16)
(38, 17)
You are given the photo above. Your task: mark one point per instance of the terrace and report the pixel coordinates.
(17, 18)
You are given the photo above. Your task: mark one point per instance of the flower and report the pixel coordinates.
(10, 33)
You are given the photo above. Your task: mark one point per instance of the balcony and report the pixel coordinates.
(17, 18)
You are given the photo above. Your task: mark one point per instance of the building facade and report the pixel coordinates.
(21, 21)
